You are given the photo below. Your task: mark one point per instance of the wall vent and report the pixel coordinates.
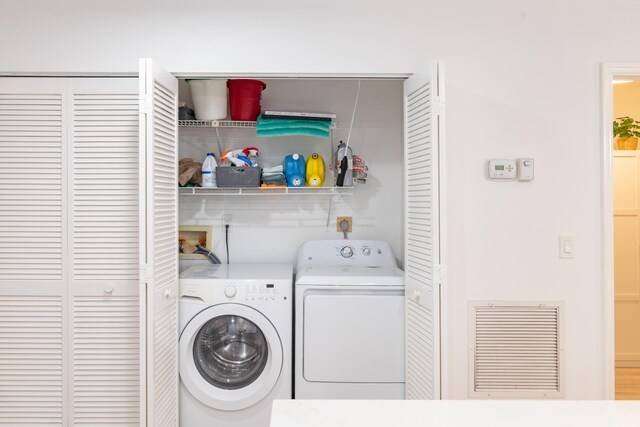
(516, 349)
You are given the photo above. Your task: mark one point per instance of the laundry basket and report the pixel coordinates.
(209, 99)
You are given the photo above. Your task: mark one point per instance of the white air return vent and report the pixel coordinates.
(516, 349)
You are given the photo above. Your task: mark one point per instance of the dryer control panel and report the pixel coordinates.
(362, 253)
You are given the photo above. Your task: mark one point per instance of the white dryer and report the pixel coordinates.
(235, 343)
(349, 321)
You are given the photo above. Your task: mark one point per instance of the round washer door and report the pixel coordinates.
(230, 356)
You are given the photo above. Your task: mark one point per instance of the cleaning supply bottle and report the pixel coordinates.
(315, 171)
(294, 170)
(252, 154)
(209, 171)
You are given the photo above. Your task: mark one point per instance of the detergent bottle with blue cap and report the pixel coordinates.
(315, 170)
(295, 170)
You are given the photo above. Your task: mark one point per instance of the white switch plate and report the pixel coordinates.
(502, 169)
(525, 169)
(567, 247)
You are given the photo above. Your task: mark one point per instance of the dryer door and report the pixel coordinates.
(230, 356)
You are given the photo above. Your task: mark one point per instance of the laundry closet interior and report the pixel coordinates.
(270, 226)
(91, 209)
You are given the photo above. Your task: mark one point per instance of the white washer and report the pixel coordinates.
(349, 321)
(235, 343)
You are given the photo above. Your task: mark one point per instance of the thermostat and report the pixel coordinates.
(502, 169)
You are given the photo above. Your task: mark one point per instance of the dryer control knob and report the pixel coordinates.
(347, 252)
(230, 291)
(366, 251)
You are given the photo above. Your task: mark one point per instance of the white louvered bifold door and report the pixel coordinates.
(423, 257)
(33, 268)
(159, 232)
(104, 253)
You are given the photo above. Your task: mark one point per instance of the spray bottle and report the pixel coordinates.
(252, 154)
(231, 156)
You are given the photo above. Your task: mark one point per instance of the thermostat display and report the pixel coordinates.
(502, 169)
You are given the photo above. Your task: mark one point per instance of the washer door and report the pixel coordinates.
(230, 356)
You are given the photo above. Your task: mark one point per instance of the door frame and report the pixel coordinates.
(608, 72)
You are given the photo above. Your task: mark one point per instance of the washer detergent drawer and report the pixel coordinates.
(353, 336)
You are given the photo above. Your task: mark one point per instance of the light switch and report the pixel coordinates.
(567, 247)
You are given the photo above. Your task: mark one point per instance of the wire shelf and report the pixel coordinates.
(225, 124)
(265, 191)
(216, 124)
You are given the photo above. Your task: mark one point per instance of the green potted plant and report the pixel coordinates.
(627, 131)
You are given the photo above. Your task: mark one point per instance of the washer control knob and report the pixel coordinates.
(366, 251)
(230, 291)
(347, 252)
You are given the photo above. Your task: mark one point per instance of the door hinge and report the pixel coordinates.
(146, 273)
(439, 105)
(146, 104)
(441, 274)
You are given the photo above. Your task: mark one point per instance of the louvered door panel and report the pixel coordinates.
(33, 244)
(105, 172)
(420, 352)
(106, 351)
(31, 360)
(423, 255)
(32, 126)
(104, 284)
(159, 231)
(516, 349)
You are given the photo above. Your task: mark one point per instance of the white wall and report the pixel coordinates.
(522, 80)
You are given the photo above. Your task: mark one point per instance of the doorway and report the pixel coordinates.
(621, 106)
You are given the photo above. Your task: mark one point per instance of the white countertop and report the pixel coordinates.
(455, 413)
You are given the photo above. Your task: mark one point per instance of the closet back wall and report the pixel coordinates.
(271, 228)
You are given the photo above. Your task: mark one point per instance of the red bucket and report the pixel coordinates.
(244, 98)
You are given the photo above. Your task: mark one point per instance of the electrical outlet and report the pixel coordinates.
(226, 220)
(339, 222)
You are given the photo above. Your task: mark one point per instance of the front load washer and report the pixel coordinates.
(235, 343)
(349, 321)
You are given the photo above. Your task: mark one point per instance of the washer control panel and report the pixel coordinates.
(252, 292)
(237, 291)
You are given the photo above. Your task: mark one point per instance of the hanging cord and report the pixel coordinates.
(218, 142)
(353, 116)
(329, 212)
(344, 163)
(226, 238)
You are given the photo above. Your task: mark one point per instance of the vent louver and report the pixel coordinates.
(516, 349)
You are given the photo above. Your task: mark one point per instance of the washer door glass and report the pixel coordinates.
(230, 352)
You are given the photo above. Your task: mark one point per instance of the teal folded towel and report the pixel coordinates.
(278, 127)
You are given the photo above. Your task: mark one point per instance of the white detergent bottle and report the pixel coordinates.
(209, 171)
